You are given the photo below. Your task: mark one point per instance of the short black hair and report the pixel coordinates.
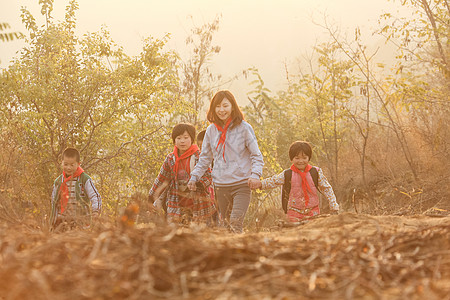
(201, 135)
(71, 152)
(180, 128)
(299, 147)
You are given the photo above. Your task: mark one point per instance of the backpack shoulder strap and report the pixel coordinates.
(84, 177)
(286, 189)
(192, 162)
(315, 176)
(58, 181)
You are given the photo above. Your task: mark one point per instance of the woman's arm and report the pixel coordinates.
(204, 161)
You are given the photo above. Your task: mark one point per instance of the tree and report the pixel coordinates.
(8, 35)
(423, 68)
(360, 110)
(384, 93)
(417, 38)
(262, 112)
(66, 91)
(329, 97)
(318, 94)
(198, 78)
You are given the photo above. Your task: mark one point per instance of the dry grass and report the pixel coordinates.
(347, 256)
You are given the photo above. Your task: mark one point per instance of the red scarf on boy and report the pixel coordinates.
(65, 190)
(223, 135)
(192, 149)
(305, 185)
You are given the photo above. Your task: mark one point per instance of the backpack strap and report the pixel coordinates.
(84, 177)
(286, 189)
(192, 162)
(81, 182)
(315, 177)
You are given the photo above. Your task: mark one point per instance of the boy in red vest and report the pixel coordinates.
(301, 184)
(74, 198)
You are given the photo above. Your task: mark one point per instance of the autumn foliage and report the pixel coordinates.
(380, 132)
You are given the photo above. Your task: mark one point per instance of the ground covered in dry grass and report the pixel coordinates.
(347, 256)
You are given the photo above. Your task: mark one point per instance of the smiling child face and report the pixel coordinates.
(183, 142)
(301, 160)
(69, 165)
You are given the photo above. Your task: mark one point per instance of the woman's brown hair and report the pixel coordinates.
(236, 114)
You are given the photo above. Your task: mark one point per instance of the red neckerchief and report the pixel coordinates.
(223, 135)
(191, 150)
(65, 190)
(305, 185)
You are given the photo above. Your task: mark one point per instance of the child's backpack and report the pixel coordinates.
(287, 185)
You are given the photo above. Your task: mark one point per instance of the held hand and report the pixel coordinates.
(158, 204)
(58, 220)
(254, 183)
(259, 185)
(191, 186)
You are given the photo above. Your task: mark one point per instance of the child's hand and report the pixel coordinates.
(254, 183)
(259, 185)
(158, 204)
(58, 220)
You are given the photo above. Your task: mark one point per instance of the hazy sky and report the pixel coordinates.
(253, 33)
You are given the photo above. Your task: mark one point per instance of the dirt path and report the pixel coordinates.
(347, 256)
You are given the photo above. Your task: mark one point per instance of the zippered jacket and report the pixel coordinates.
(235, 161)
(85, 193)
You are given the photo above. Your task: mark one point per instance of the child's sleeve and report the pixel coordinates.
(327, 190)
(206, 180)
(54, 204)
(54, 194)
(93, 195)
(165, 174)
(272, 182)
